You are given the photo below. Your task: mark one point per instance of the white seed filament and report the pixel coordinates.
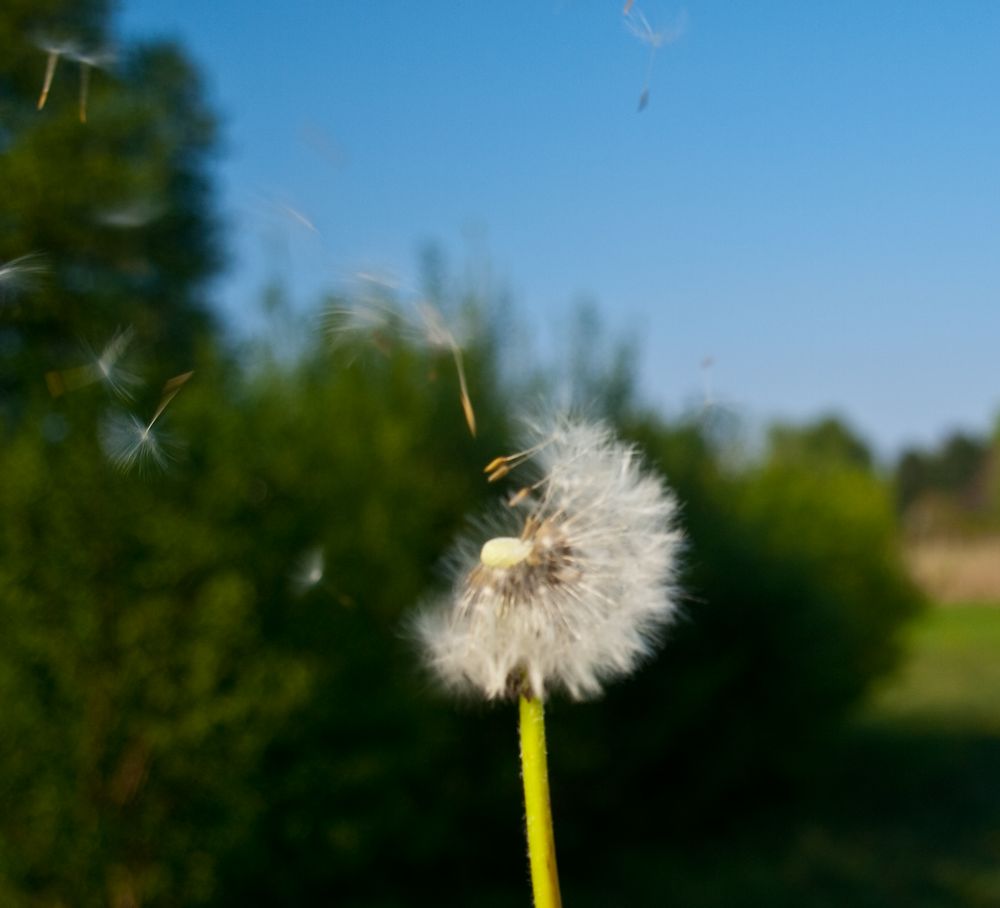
(504, 552)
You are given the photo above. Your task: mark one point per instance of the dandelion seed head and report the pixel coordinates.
(569, 588)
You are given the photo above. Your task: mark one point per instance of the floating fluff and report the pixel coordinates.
(570, 584)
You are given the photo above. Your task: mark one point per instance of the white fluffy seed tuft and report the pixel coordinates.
(577, 583)
(129, 443)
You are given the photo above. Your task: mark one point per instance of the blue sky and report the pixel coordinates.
(811, 196)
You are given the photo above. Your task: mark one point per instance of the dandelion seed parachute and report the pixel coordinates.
(105, 367)
(88, 61)
(20, 274)
(381, 319)
(130, 443)
(308, 571)
(53, 50)
(130, 215)
(572, 587)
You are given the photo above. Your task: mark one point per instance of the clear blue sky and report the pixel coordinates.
(811, 197)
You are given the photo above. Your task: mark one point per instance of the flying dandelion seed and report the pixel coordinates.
(571, 585)
(170, 390)
(297, 216)
(380, 321)
(349, 326)
(108, 367)
(129, 443)
(89, 61)
(308, 571)
(105, 367)
(54, 50)
(131, 215)
(21, 274)
(638, 25)
(439, 336)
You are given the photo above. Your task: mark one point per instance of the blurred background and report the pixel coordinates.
(249, 260)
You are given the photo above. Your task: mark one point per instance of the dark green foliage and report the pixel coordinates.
(134, 676)
(118, 209)
(957, 469)
(187, 726)
(178, 702)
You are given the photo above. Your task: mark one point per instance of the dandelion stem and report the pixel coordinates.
(538, 812)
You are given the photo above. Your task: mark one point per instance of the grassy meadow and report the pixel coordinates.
(951, 680)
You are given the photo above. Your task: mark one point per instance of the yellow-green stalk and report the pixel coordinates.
(537, 808)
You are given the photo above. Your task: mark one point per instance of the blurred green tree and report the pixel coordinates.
(198, 720)
(956, 469)
(825, 442)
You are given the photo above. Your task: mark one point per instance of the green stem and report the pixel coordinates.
(538, 812)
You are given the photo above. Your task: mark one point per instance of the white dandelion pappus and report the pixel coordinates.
(129, 442)
(21, 274)
(105, 367)
(381, 320)
(575, 585)
(638, 25)
(108, 368)
(308, 571)
(348, 324)
(130, 215)
(439, 336)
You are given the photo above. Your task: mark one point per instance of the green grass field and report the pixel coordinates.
(952, 675)
(906, 812)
